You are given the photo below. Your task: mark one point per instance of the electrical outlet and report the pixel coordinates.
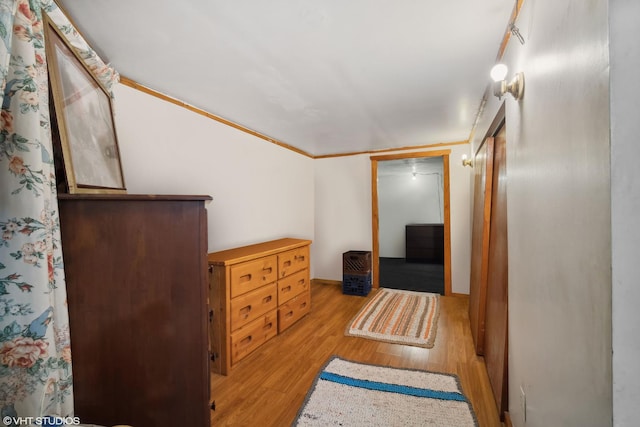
(523, 404)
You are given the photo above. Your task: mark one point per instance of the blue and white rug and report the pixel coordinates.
(347, 393)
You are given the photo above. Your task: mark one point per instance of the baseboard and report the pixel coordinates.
(326, 282)
(507, 420)
(459, 295)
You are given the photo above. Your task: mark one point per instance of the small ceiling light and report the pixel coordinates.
(414, 176)
(466, 162)
(500, 87)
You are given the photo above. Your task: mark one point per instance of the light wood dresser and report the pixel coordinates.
(256, 292)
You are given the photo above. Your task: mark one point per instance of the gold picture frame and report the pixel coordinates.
(83, 113)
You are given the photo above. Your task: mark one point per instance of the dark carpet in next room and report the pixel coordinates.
(397, 273)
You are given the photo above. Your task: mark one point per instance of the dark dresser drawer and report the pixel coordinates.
(425, 243)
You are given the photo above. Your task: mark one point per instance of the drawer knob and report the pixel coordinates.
(245, 311)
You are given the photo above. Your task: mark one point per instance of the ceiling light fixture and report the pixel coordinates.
(500, 86)
(466, 162)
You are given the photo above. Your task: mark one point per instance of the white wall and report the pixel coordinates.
(625, 205)
(343, 214)
(260, 191)
(403, 200)
(559, 222)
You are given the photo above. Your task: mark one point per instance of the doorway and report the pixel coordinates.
(411, 250)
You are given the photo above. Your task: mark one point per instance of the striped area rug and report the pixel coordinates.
(347, 393)
(397, 316)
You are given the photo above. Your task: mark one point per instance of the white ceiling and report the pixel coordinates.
(325, 76)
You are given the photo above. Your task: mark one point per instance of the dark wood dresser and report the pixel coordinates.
(136, 274)
(425, 243)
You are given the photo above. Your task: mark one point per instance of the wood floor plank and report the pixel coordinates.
(268, 387)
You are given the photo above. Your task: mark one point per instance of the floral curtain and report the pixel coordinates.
(35, 349)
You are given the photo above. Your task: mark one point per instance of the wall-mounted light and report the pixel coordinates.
(500, 86)
(466, 161)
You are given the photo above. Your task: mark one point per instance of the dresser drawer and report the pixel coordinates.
(251, 275)
(293, 285)
(290, 312)
(291, 261)
(250, 306)
(253, 335)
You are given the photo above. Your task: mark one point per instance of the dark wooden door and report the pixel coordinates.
(495, 342)
(483, 180)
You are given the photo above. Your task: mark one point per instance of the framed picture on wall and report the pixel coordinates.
(83, 113)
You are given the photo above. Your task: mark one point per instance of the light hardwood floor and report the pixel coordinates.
(268, 387)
